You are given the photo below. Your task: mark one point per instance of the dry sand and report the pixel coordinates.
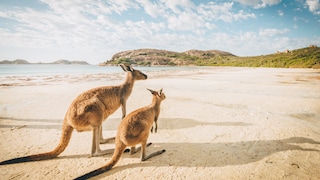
(216, 123)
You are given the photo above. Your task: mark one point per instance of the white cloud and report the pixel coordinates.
(259, 3)
(185, 21)
(95, 30)
(272, 32)
(186, 16)
(280, 13)
(153, 9)
(296, 19)
(224, 12)
(314, 6)
(65, 27)
(178, 6)
(213, 11)
(90, 6)
(243, 16)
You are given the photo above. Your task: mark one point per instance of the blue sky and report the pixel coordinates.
(94, 30)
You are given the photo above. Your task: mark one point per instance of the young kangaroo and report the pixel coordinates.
(87, 112)
(134, 129)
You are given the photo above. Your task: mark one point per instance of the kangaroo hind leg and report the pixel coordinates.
(145, 157)
(95, 150)
(104, 141)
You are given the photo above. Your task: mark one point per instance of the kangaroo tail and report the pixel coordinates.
(120, 147)
(64, 141)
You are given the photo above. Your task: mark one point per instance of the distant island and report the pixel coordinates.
(308, 57)
(21, 61)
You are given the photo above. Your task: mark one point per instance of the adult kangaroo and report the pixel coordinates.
(87, 112)
(134, 129)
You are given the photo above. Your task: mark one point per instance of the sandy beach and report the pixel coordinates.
(216, 123)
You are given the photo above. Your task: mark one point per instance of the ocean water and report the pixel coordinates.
(54, 69)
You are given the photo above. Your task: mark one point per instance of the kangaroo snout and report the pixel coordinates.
(145, 76)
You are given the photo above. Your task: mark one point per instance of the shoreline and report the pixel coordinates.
(51, 79)
(216, 123)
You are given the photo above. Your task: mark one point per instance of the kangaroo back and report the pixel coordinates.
(64, 141)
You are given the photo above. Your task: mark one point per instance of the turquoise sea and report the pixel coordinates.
(54, 69)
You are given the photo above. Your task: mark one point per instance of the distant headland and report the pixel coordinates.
(308, 57)
(62, 61)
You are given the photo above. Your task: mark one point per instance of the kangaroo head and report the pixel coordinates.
(158, 94)
(136, 74)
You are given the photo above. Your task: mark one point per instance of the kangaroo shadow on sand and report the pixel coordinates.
(175, 123)
(109, 124)
(44, 123)
(214, 154)
(112, 123)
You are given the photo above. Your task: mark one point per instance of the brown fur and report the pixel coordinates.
(134, 129)
(88, 111)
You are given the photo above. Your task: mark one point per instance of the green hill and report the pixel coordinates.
(300, 58)
(308, 57)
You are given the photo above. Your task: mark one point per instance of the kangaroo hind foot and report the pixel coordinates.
(108, 140)
(133, 149)
(153, 154)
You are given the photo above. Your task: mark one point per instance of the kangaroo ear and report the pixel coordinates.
(130, 68)
(126, 67)
(153, 92)
(123, 67)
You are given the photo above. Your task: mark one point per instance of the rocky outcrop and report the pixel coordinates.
(153, 57)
